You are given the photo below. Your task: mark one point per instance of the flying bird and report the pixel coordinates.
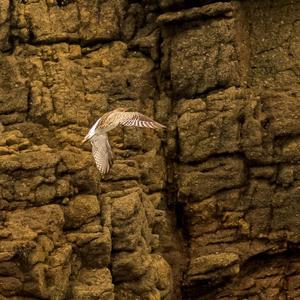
(97, 135)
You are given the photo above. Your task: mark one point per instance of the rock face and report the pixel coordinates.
(207, 209)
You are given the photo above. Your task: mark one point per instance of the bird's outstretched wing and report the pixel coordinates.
(102, 152)
(137, 119)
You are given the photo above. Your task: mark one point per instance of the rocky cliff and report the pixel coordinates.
(207, 209)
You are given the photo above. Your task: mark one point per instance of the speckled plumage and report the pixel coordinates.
(97, 135)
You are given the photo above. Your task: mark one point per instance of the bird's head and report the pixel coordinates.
(86, 138)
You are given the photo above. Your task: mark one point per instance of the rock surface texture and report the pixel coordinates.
(207, 209)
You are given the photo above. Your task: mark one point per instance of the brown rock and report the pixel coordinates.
(205, 267)
(12, 81)
(130, 266)
(211, 10)
(5, 28)
(94, 247)
(200, 182)
(92, 284)
(27, 224)
(204, 57)
(62, 22)
(10, 286)
(81, 210)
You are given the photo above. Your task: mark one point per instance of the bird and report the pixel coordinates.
(97, 135)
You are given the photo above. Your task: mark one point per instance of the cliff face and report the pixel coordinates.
(209, 208)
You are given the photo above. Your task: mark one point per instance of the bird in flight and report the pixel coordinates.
(97, 135)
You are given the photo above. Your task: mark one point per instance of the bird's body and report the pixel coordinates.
(97, 135)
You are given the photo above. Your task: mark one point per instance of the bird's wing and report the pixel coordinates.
(102, 153)
(137, 119)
